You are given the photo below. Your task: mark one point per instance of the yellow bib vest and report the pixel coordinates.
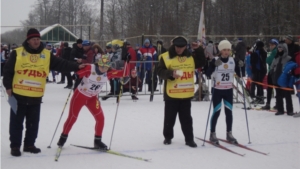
(31, 71)
(182, 87)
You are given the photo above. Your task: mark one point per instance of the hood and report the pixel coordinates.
(33, 51)
(285, 48)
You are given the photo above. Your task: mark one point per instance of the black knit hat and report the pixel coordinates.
(260, 44)
(66, 44)
(79, 41)
(33, 33)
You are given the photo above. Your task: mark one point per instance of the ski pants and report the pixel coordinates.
(32, 115)
(227, 97)
(280, 94)
(92, 103)
(257, 77)
(183, 108)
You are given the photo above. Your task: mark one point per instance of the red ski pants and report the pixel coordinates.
(92, 103)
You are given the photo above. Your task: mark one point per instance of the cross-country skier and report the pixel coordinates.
(94, 77)
(222, 72)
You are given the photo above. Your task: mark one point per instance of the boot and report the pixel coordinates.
(266, 107)
(213, 138)
(61, 82)
(279, 113)
(290, 113)
(191, 143)
(98, 143)
(31, 149)
(62, 140)
(230, 138)
(275, 107)
(107, 96)
(167, 141)
(68, 87)
(15, 151)
(297, 114)
(134, 97)
(260, 101)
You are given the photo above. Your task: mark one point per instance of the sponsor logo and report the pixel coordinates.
(93, 73)
(42, 56)
(98, 78)
(230, 62)
(23, 53)
(225, 66)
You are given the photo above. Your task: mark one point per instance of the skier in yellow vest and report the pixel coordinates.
(177, 67)
(24, 78)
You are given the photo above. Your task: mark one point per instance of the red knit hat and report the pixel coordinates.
(33, 33)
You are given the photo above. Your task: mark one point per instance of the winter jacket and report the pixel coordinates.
(286, 79)
(240, 51)
(270, 58)
(248, 65)
(147, 54)
(297, 69)
(56, 63)
(292, 50)
(66, 53)
(279, 63)
(258, 61)
(76, 53)
(132, 53)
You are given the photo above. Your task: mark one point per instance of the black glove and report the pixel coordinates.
(128, 57)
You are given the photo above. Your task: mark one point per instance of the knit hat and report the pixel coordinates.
(104, 61)
(224, 44)
(146, 41)
(79, 41)
(86, 43)
(108, 46)
(33, 33)
(274, 41)
(289, 37)
(179, 41)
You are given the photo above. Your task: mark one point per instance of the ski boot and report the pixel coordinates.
(230, 138)
(133, 97)
(62, 140)
(191, 143)
(213, 138)
(99, 144)
(279, 113)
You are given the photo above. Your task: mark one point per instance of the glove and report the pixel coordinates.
(241, 63)
(128, 57)
(218, 62)
(84, 56)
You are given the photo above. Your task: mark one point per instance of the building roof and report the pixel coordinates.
(56, 33)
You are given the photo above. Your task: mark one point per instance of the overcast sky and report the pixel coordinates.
(14, 11)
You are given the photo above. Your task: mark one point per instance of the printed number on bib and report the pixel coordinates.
(225, 76)
(94, 87)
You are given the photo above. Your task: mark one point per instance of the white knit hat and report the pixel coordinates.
(224, 44)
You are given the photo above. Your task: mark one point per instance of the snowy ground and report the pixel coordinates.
(138, 132)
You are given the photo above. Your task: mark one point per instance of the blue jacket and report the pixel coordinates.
(286, 79)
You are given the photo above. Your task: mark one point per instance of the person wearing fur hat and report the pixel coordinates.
(177, 67)
(259, 71)
(31, 62)
(222, 70)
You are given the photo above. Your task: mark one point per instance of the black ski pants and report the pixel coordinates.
(32, 115)
(280, 94)
(182, 107)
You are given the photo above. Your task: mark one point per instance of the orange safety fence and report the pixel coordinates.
(265, 84)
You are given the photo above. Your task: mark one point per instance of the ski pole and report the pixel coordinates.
(118, 103)
(60, 118)
(212, 96)
(245, 111)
